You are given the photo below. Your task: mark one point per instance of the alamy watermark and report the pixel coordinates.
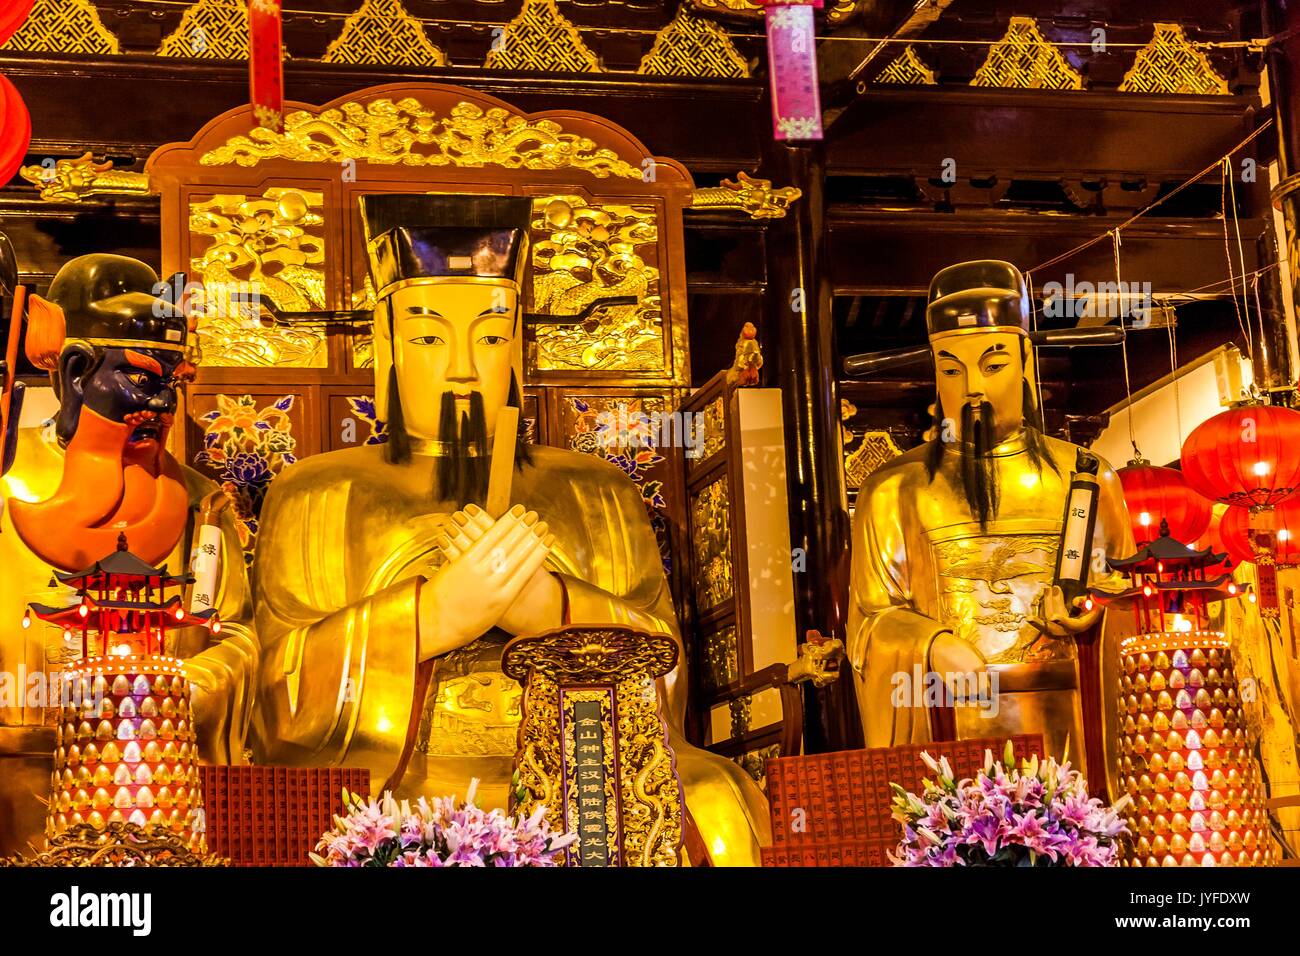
(922, 688)
(1100, 300)
(622, 427)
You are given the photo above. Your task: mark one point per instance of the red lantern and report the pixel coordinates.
(1154, 494)
(12, 17)
(1284, 523)
(1247, 456)
(15, 130)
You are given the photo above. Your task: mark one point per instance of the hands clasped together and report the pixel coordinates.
(493, 576)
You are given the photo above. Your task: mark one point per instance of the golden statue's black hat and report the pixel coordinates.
(410, 237)
(110, 300)
(984, 294)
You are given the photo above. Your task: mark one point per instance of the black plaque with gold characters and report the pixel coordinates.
(593, 744)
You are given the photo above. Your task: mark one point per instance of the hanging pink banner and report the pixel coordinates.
(266, 63)
(792, 66)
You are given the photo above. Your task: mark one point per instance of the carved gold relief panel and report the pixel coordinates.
(583, 251)
(271, 246)
(711, 543)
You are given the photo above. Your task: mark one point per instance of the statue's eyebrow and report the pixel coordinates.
(943, 354)
(422, 310)
(147, 362)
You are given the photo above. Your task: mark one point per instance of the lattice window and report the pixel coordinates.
(383, 32)
(693, 46)
(1024, 60)
(63, 26)
(210, 30)
(541, 39)
(906, 69)
(1171, 64)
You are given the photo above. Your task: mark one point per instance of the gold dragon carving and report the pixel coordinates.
(271, 245)
(409, 134)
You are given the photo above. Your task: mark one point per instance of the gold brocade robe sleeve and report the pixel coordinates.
(345, 544)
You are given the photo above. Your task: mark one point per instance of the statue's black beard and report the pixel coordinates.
(979, 473)
(460, 472)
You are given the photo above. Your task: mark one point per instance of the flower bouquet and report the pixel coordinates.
(1039, 815)
(441, 833)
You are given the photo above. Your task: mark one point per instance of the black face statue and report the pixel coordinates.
(134, 386)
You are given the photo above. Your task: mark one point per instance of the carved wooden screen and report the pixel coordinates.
(243, 205)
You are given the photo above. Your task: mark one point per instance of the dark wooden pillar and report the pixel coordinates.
(801, 360)
(1275, 359)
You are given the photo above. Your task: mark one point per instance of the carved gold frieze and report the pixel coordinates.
(270, 245)
(209, 30)
(383, 33)
(541, 39)
(116, 844)
(906, 69)
(693, 46)
(582, 252)
(592, 745)
(407, 133)
(1025, 60)
(72, 180)
(741, 715)
(711, 541)
(1171, 64)
(63, 26)
(747, 194)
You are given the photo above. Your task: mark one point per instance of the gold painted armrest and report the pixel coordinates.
(756, 197)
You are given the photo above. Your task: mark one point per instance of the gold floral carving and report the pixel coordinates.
(117, 844)
(272, 245)
(906, 69)
(63, 26)
(616, 667)
(541, 39)
(693, 46)
(210, 30)
(721, 657)
(1024, 60)
(877, 448)
(582, 252)
(383, 33)
(747, 194)
(711, 540)
(739, 9)
(1171, 64)
(406, 133)
(841, 12)
(72, 180)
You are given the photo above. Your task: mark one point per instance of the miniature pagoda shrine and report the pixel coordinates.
(126, 743)
(1184, 753)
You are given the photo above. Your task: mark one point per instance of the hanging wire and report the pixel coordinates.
(1170, 326)
(1227, 252)
(1123, 344)
(1241, 255)
(319, 15)
(1156, 202)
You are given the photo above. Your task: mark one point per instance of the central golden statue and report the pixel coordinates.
(955, 543)
(385, 595)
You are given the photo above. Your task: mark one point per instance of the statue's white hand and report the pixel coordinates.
(540, 604)
(953, 659)
(473, 591)
(1055, 618)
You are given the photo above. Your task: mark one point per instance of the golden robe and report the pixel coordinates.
(345, 541)
(922, 566)
(221, 667)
